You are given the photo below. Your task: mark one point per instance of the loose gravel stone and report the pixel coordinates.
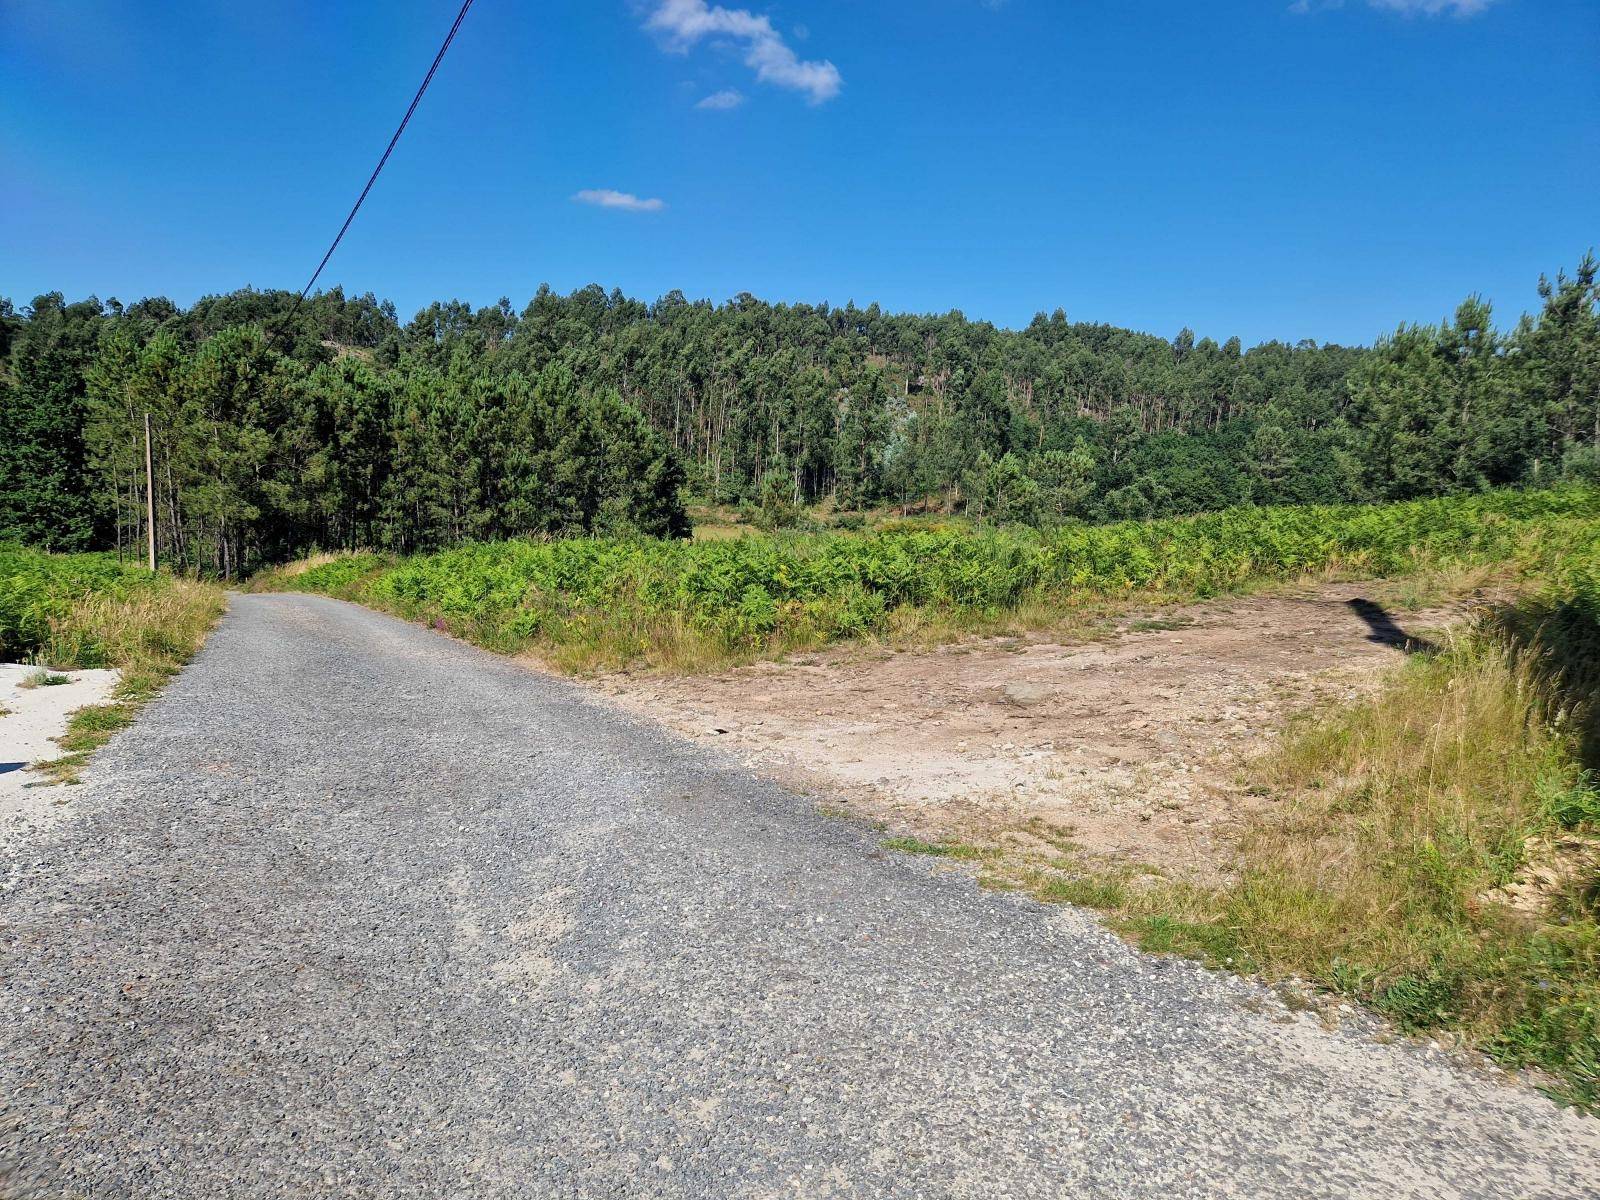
(356, 910)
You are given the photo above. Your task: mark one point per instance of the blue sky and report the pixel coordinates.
(1267, 169)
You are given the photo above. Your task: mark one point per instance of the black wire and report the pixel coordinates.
(376, 171)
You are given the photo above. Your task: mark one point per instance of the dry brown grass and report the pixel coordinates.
(668, 642)
(148, 634)
(671, 644)
(1399, 822)
(144, 631)
(1409, 805)
(301, 565)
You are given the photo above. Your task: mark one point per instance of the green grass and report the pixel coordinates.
(1572, 804)
(87, 610)
(689, 606)
(43, 678)
(912, 845)
(88, 729)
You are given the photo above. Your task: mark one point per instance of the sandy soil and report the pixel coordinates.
(35, 716)
(1129, 744)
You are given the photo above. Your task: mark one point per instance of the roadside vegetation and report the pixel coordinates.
(589, 604)
(73, 611)
(1433, 852)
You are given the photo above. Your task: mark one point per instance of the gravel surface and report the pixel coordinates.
(356, 910)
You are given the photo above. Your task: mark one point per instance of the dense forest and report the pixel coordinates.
(333, 424)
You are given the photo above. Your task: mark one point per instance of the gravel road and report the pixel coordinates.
(358, 911)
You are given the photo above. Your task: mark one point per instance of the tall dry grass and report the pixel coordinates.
(1400, 827)
(151, 630)
(147, 633)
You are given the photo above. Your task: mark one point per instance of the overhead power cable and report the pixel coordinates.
(378, 170)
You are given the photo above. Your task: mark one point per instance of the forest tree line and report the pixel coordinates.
(335, 425)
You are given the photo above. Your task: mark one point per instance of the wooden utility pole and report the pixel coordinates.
(149, 495)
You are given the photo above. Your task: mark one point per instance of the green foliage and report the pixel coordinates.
(1001, 492)
(1459, 406)
(38, 588)
(627, 598)
(1572, 804)
(1581, 464)
(1558, 634)
(43, 497)
(913, 845)
(1420, 1001)
(588, 413)
(1087, 891)
(1216, 943)
(777, 507)
(93, 725)
(258, 458)
(88, 610)
(43, 678)
(340, 576)
(1065, 479)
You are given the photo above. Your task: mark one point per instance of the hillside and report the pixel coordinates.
(336, 426)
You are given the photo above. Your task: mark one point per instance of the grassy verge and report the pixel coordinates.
(1433, 852)
(677, 606)
(75, 611)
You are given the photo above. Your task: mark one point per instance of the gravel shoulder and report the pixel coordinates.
(31, 718)
(357, 910)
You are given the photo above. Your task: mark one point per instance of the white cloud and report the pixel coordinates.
(722, 101)
(626, 201)
(1433, 8)
(686, 22)
(1409, 8)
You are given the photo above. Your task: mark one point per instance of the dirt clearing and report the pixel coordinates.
(1127, 742)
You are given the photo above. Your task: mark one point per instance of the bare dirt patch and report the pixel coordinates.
(1128, 744)
(1553, 867)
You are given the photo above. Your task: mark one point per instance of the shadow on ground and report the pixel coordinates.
(1384, 631)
